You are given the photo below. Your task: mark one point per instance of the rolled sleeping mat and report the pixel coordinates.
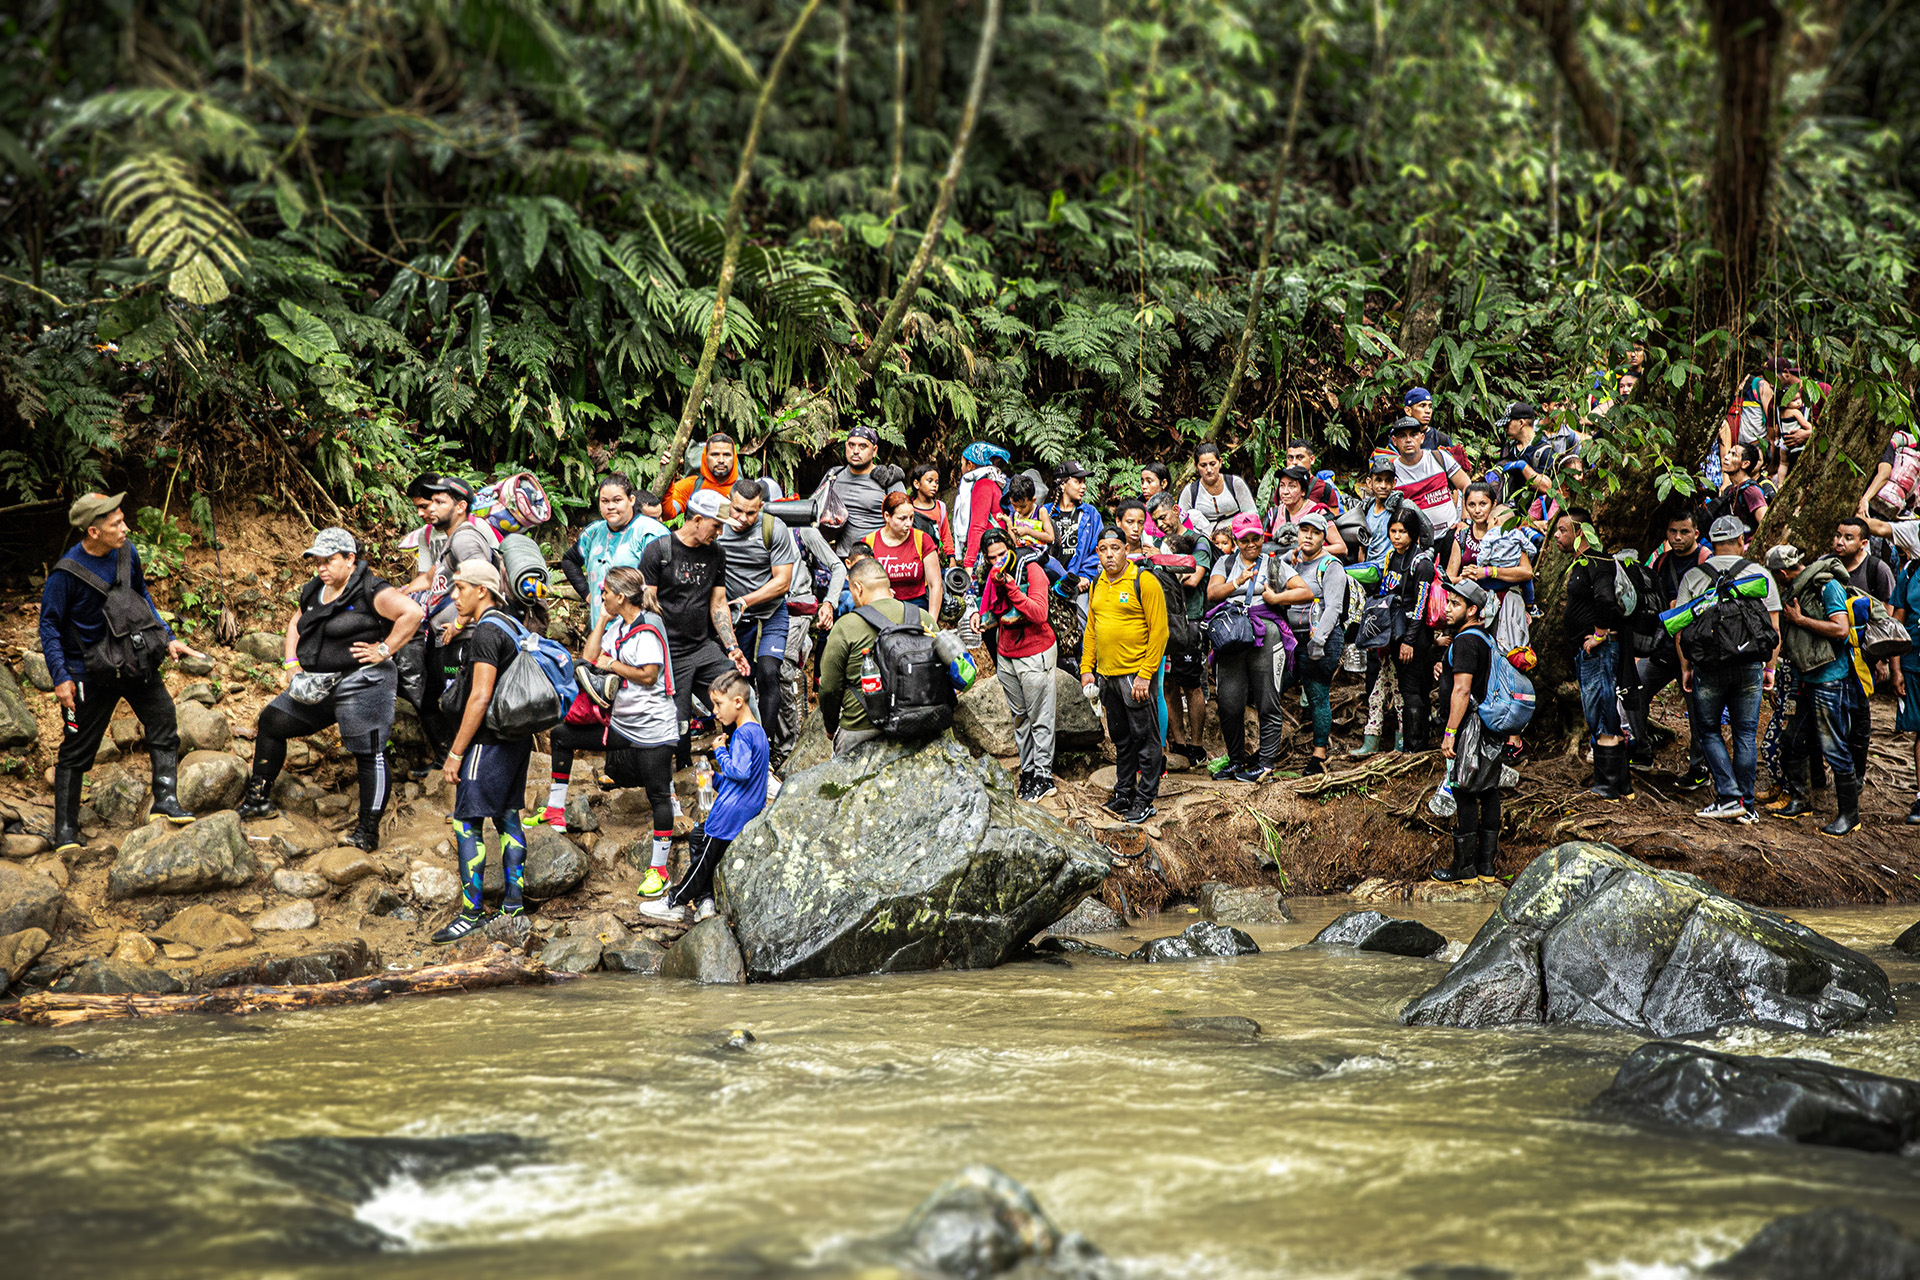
(792, 512)
(527, 574)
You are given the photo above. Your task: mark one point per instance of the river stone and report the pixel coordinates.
(19, 950)
(571, 955)
(201, 729)
(127, 732)
(116, 978)
(1200, 939)
(983, 721)
(813, 747)
(263, 646)
(33, 666)
(899, 856)
(297, 796)
(601, 925)
(201, 692)
(194, 664)
(345, 865)
(634, 955)
(23, 845)
(29, 899)
(706, 953)
(206, 929)
(333, 962)
(211, 780)
(352, 1169)
(1075, 722)
(1375, 931)
(1825, 1244)
(299, 884)
(287, 918)
(432, 885)
(1091, 916)
(210, 854)
(982, 1223)
(133, 948)
(1791, 1099)
(555, 866)
(18, 728)
(1229, 904)
(580, 814)
(120, 799)
(1589, 935)
(1909, 942)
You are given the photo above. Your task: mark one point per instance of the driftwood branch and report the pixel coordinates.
(54, 1009)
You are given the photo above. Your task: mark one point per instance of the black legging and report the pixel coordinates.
(1477, 811)
(1415, 677)
(277, 724)
(1243, 679)
(652, 765)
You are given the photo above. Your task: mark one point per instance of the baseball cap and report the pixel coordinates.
(1727, 529)
(1313, 520)
(1299, 475)
(709, 503)
(1380, 466)
(1419, 395)
(1071, 470)
(1470, 591)
(1785, 558)
(332, 542)
(479, 573)
(1518, 409)
(1403, 425)
(430, 483)
(1245, 524)
(90, 507)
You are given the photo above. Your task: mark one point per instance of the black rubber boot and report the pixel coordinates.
(1913, 815)
(1413, 724)
(1489, 853)
(365, 834)
(1465, 852)
(257, 803)
(1846, 790)
(166, 771)
(1604, 785)
(1623, 770)
(66, 808)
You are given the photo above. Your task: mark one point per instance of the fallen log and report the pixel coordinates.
(55, 1009)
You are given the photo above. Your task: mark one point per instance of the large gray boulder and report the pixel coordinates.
(1825, 1244)
(1377, 931)
(211, 780)
(120, 799)
(213, 853)
(555, 865)
(28, 900)
(1075, 722)
(896, 857)
(117, 978)
(1590, 935)
(983, 719)
(706, 953)
(18, 728)
(201, 729)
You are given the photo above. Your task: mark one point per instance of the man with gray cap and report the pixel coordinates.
(103, 640)
(1827, 691)
(1727, 655)
(862, 486)
(1320, 626)
(339, 662)
(1473, 753)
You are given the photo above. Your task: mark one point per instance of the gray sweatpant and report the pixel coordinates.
(1030, 688)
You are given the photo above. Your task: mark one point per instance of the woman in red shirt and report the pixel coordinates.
(1013, 609)
(910, 557)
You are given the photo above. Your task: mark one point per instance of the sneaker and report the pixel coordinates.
(1749, 814)
(1025, 790)
(1252, 773)
(1513, 751)
(1141, 811)
(1913, 814)
(1693, 781)
(598, 685)
(554, 816)
(1721, 809)
(459, 927)
(1043, 786)
(1778, 801)
(653, 883)
(508, 910)
(1119, 802)
(1314, 766)
(658, 910)
(705, 911)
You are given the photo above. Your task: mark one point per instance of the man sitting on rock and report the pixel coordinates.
(842, 710)
(487, 772)
(103, 640)
(339, 662)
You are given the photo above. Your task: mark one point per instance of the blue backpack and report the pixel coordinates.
(1508, 706)
(531, 696)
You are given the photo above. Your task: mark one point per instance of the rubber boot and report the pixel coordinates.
(1603, 783)
(1465, 847)
(1913, 814)
(1623, 770)
(1413, 724)
(1489, 853)
(365, 833)
(257, 803)
(66, 808)
(1797, 792)
(1846, 790)
(166, 770)
(1369, 746)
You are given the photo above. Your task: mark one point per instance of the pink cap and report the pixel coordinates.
(1246, 523)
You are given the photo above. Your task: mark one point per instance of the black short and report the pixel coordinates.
(493, 780)
(1186, 671)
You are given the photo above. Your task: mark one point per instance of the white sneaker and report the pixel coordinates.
(657, 909)
(1748, 815)
(705, 911)
(1721, 809)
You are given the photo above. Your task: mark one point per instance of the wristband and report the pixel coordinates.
(454, 756)
(1449, 733)
(290, 666)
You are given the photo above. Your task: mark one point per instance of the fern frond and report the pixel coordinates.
(190, 122)
(175, 226)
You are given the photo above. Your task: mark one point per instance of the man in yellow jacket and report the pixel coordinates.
(1125, 641)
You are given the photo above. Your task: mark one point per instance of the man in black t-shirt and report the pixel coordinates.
(1474, 773)
(1682, 554)
(1602, 653)
(487, 772)
(687, 579)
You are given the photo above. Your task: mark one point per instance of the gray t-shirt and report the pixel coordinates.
(1698, 580)
(751, 558)
(865, 501)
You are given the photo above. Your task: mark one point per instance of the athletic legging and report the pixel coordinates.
(703, 859)
(1476, 811)
(469, 835)
(276, 725)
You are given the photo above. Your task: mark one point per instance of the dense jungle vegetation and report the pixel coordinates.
(304, 248)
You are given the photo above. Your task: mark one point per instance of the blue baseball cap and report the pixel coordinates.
(1419, 395)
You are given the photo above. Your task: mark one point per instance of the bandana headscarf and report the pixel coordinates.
(981, 454)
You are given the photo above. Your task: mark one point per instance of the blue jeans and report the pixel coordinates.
(1599, 675)
(1822, 713)
(1317, 679)
(1733, 691)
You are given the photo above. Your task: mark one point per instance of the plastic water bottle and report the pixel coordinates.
(703, 784)
(1443, 805)
(869, 674)
(960, 665)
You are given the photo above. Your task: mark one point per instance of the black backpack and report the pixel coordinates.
(135, 641)
(1734, 630)
(915, 698)
(1183, 634)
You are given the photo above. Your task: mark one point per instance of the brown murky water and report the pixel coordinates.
(1335, 1144)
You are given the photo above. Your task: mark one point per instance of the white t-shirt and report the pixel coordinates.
(1428, 484)
(644, 715)
(1906, 536)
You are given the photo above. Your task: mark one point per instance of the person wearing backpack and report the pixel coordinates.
(718, 472)
(1407, 578)
(1602, 659)
(1742, 493)
(1320, 623)
(740, 770)
(1681, 553)
(1815, 641)
(1473, 750)
(1013, 605)
(617, 538)
(1906, 669)
(487, 771)
(762, 557)
(854, 673)
(1214, 497)
(1248, 674)
(1076, 524)
(1727, 657)
(861, 487)
(338, 655)
(103, 640)
(1121, 654)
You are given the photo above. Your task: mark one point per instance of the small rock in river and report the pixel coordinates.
(1375, 931)
(1824, 1245)
(1197, 940)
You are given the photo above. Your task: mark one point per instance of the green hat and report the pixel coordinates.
(89, 507)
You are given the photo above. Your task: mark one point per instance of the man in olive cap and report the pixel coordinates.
(103, 641)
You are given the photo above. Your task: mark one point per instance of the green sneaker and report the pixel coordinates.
(653, 884)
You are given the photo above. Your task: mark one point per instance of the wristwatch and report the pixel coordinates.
(383, 650)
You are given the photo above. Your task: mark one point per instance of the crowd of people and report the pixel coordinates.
(721, 606)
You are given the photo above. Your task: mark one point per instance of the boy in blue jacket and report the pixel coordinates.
(740, 784)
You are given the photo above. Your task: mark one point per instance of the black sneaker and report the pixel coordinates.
(1315, 765)
(1693, 781)
(509, 910)
(1141, 811)
(1913, 815)
(1119, 802)
(1043, 786)
(257, 803)
(459, 927)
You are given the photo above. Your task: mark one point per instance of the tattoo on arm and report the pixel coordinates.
(723, 619)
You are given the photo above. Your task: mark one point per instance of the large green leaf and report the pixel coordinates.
(301, 332)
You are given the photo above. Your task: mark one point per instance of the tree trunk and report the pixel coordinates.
(1285, 162)
(1558, 22)
(736, 229)
(899, 139)
(1833, 472)
(933, 58)
(840, 77)
(1746, 37)
(910, 284)
(1420, 318)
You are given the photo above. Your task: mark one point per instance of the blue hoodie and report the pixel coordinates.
(739, 780)
(1086, 557)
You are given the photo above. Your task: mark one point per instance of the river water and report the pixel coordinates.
(1336, 1143)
